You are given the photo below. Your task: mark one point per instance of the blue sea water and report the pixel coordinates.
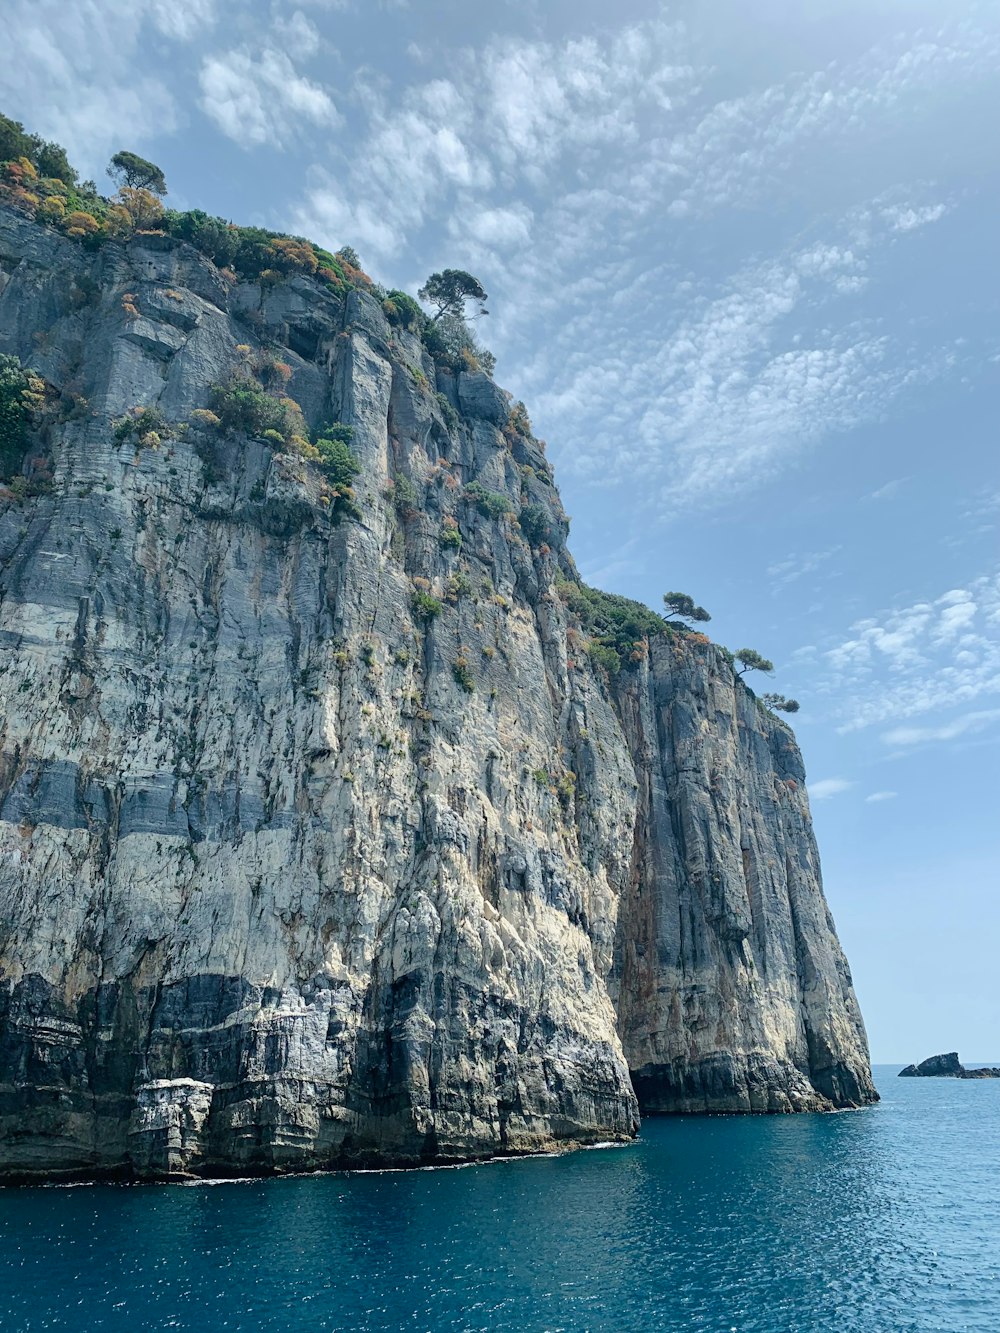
(881, 1221)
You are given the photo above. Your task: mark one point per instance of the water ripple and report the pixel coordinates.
(886, 1221)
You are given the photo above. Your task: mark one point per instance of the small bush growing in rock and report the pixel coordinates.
(401, 309)
(605, 657)
(404, 497)
(241, 404)
(139, 422)
(338, 463)
(449, 537)
(21, 392)
(491, 504)
(459, 585)
(448, 413)
(518, 422)
(339, 466)
(425, 607)
(462, 672)
(535, 524)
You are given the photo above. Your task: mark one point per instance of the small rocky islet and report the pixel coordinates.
(946, 1066)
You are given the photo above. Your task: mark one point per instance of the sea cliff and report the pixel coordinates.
(325, 838)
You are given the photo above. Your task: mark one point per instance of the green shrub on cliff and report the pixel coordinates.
(536, 525)
(336, 461)
(462, 672)
(243, 404)
(338, 465)
(401, 309)
(48, 159)
(449, 415)
(618, 626)
(604, 656)
(139, 423)
(454, 346)
(425, 607)
(491, 504)
(21, 391)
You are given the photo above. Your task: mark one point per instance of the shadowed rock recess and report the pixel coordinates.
(296, 873)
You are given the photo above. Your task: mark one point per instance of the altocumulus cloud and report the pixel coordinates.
(702, 386)
(929, 656)
(258, 95)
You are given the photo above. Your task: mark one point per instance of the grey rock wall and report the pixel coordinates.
(276, 890)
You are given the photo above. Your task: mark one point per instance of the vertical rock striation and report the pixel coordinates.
(293, 874)
(732, 991)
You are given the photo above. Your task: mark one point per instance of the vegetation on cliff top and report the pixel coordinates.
(36, 178)
(619, 631)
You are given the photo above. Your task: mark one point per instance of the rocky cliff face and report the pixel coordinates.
(293, 874)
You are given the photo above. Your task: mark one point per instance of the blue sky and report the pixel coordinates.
(742, 262)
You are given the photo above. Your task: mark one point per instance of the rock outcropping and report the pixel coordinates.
(295, 872)
(946, 1066)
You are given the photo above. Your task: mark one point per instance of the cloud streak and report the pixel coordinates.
(970, 723)
(828, 787)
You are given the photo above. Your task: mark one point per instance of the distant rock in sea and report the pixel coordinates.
(946, 1066)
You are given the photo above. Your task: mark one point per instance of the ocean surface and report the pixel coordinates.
(885, 1220)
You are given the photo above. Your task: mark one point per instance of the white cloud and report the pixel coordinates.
(496, 127)
(298, 35)
(957, 613)
(928, 656)
(889, 491)
(732, 391)
(98, 75)
(902, 218)
(797, 566)
(494, 228)
(740, 145)
(182, 19)
(562, 171)
(947, 731)
(74, 73)
(260, 98)
(827, 787)
(878, 796)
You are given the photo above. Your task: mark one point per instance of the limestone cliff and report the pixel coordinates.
(295, 872)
